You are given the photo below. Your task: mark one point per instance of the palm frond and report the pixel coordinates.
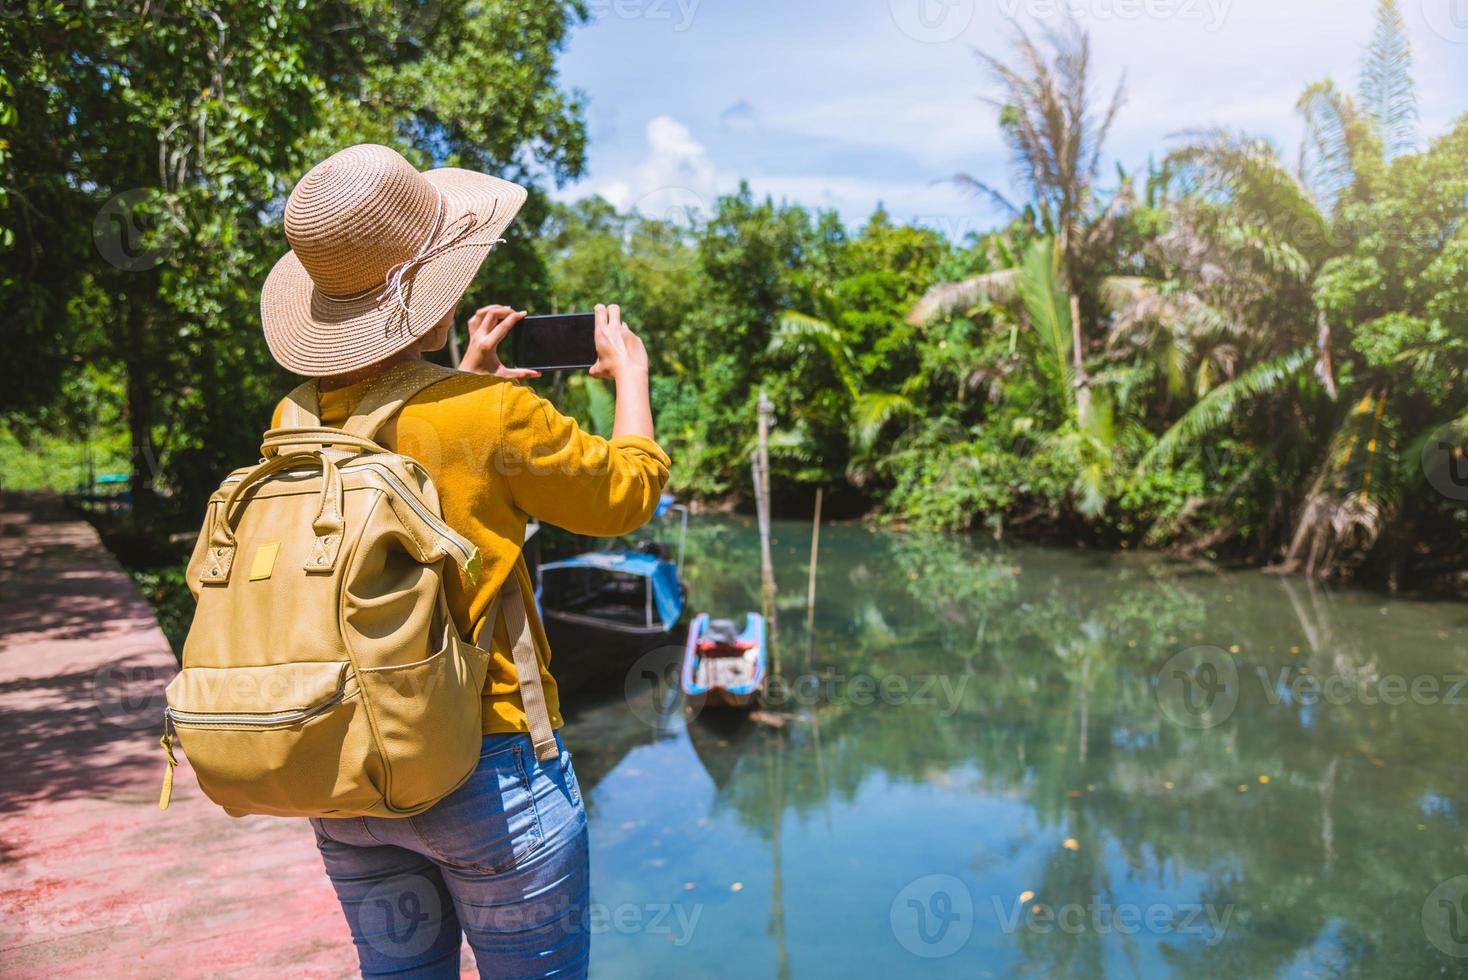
(601, 406)
(1387, 89)
(873, 412)
(1046, 121)
(1248, 174)
(1340, 143)
(970, 183)
(1327, 165)
(988, 288)
(1047, 306)
(1220, 405)
(796, 330)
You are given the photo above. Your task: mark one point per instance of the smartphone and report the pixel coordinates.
(559, 341)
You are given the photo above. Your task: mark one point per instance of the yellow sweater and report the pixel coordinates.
(497, 452)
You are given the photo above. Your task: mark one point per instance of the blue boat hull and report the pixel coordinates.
(732, 681)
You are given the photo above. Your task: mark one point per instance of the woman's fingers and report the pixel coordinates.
(507, 320)
(487, 315)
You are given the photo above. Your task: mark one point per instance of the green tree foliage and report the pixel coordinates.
(1233, 352)
(149, 149)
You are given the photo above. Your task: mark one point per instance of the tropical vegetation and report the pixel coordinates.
(1239, 350)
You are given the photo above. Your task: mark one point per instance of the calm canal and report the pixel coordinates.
(1000, 761)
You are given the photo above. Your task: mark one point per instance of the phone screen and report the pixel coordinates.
(560, 340)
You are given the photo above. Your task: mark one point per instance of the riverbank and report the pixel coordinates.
(95, 880)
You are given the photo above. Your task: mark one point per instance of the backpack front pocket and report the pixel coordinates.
(286, 739)
(428, 718)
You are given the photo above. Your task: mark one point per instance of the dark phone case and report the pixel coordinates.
(556, 342)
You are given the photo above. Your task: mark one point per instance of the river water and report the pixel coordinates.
(995, 761)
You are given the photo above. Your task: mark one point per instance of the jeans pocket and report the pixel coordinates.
(568, 775)
(488, 825)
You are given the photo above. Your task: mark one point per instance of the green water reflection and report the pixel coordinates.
(977, 722)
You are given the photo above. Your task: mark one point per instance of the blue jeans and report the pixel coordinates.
(503, 859)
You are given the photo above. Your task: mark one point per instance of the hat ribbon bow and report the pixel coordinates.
(455, 235)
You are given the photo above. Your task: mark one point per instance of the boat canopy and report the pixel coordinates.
(662, 576)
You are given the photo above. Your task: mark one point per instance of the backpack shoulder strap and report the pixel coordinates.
(302, 408)
(392, 390)
(511, 602)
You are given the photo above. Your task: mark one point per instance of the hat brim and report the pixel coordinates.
(315, 335)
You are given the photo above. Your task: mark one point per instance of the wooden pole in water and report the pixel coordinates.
(810, 590)
(762, 507)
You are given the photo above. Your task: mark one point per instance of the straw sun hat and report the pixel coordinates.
(379, 254)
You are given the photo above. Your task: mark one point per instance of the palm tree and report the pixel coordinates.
(864, 414)
(1055, 139)
(1387, 89)
(1257, 236)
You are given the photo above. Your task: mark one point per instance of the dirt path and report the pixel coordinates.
(94, 881)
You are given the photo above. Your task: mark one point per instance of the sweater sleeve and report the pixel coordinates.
(571, 478)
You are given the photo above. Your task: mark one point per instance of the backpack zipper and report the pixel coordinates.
(272, 719)
(465, 549)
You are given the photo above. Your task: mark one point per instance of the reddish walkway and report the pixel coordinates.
(94, 881)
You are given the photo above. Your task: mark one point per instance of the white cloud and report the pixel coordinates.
(676, 174)
(843, 109)
(676, 166)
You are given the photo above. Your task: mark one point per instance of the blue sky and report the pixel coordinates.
(844, 103)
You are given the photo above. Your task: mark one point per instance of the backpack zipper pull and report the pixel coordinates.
(167, 742)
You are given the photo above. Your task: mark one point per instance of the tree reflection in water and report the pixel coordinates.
(1317, 822)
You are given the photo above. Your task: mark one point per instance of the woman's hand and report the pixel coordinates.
(621, 357)
(619, 351)
(487, 327)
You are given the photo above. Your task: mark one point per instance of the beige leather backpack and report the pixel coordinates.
(323, 675)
